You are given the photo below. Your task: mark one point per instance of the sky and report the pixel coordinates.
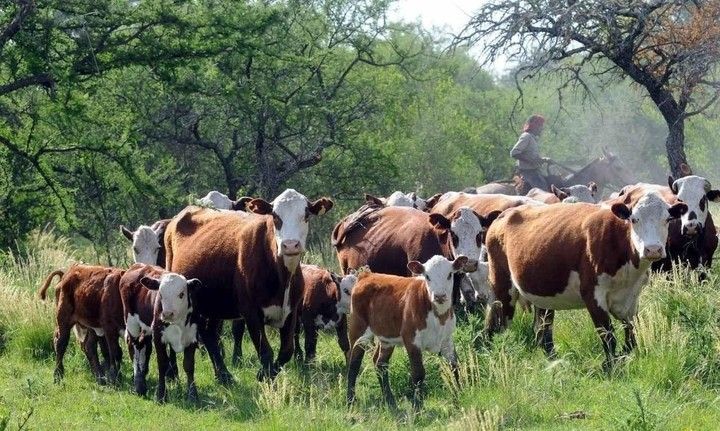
(449, 16)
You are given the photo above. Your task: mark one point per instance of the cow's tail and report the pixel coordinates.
(48, 280)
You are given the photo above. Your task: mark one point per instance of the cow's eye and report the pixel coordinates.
(427, 278)
(181, 295)
(347, 292)
(633, 220)
(449, 275)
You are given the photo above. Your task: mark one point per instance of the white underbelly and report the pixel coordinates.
(568, 299)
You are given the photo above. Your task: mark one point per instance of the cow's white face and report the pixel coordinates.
(695, 192)
(146, 245)
(291, 212)
(438, 273)
(346, 286)
(466, 231)
(400, 199)
(216, 200)
(649, 224)
(173, 295)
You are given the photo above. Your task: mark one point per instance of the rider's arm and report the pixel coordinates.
(519, 150)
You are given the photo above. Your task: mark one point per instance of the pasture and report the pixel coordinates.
(671, 381)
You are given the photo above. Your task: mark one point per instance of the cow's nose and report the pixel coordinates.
(654, 252)
(167, 315)
(440, 299)
(290, 247)
(471, 265)
(691, 229)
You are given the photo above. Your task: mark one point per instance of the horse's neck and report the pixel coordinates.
(590, 173)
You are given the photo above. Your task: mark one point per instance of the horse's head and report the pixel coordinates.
(610, 170)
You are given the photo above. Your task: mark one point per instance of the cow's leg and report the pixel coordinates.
(543, 327)
(630, 341)
(311, 336)
(601, 320)
(448, 352)
(417, 374)
(114, 355)
(60, 341)
(238, 330)
(500, 311)
(141, 352)
(298, 350)
(357, 328)
(287, 343)
(256, 329)
(189, 366)
(342, 336)
(172, 372)
(162, 363)
(89, 345)
(210, 337)
(381, 359)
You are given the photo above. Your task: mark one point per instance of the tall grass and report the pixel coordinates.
(671, 381)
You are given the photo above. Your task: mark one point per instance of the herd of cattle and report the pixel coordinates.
(406, 262)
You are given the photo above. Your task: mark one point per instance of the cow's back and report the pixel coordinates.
(391, 238)
(223, 249)
(483, 204)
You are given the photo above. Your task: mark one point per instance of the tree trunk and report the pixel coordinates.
(675, 147)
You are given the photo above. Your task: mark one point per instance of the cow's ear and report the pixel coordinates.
(459, 263)
(593, 187)
(560, 193)
(439, 221)
(241, 204)
(713, 195)
(260, 206)
(194, 284)
(677, 210)
(126, 232)
(373, 200)
(487, 220)
(150, 283)
(621, 211)
(671, 183)
(335, 278)
(416, 267)
(432, 201)
(320, 206)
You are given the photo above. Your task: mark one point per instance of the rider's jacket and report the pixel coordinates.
(527, 152)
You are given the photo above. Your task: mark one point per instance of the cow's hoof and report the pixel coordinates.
(161, 397)
(268, 373)
(192, 395)
(172, 373)
(58, 376)
(225, 378)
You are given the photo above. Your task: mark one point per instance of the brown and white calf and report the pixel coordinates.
(221, 201)
(174, 325)
(88, 299)
(148, 242)
(415, 312)
(567, 256)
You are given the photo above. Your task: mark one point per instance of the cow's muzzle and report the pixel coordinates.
(291, 248)
(653, 252)
(440, 299)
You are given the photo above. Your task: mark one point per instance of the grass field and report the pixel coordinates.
(671, 381)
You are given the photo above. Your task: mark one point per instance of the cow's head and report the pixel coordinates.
(345, 286)
(145, 242)
(696, 192)
(291, 212)
(174, 295)
(649, 220)
(467, 232)
(576, 193)
(417, 201)
(438, 273)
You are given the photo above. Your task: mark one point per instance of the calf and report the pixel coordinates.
(567, 256)
(415, 312)
(174, 325)
(572, 194)
(88, 298)
(148, 242)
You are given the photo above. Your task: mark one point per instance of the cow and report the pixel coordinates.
(148, 242)
(415, 312)
(220, 201)
(249, 264)
(88, 299)
(693, 238)
(400, 199)
(484, 204)
(571, 194)
(174, 324)
(567, 256)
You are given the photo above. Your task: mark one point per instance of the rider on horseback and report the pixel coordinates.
(527, 153)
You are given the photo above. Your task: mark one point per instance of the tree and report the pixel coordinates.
(671, 48)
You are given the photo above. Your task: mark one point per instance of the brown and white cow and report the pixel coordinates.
(415, 312)
(88, 299)
(567, 256)
(221, 201)
(571, 194)
(249, 266)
